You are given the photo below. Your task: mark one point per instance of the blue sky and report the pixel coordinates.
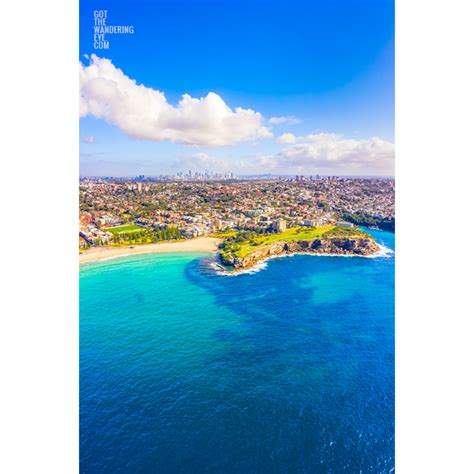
(329, 64)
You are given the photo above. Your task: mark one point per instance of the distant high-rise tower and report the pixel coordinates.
(139, 187)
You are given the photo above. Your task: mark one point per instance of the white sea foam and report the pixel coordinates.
(382, 252)
(258, 267)
(222, 271)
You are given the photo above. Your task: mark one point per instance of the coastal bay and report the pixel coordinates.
(183, 367)
(240, 251)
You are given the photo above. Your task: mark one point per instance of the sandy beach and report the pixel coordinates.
(200, 244)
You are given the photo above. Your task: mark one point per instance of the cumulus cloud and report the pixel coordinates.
(144, 113)
(291, 120)
(327, 151)
(321, 153)
(286, 138)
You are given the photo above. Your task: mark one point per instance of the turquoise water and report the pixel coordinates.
(290, 369)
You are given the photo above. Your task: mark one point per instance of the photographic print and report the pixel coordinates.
(236, 236)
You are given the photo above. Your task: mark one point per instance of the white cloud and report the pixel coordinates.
(244, 164)
(265, 163)
(291, 120)
(200, 162)
(88, 139)
(144, 113)
(323, 152)
(286, 138)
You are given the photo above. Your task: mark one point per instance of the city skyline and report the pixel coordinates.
(157, 103)
(211, 174)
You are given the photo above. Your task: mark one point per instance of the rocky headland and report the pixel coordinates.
(362, 245)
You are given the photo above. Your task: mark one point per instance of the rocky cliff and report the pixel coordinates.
(324, 246)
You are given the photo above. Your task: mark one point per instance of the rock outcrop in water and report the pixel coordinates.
(354, 245)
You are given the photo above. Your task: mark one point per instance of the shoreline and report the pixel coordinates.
(199, 244)
(222, 270)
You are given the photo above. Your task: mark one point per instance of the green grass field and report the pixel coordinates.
(297, 233)
(222, 234)
(124, 229)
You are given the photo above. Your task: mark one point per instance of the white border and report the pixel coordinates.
(39, 303)
(39, 322)
(434, 330)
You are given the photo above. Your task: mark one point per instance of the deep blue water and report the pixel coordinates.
(287, 370)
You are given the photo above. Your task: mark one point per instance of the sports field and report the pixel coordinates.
(124, 229)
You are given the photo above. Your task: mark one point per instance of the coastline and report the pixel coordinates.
(199, 244)
(222, 270)
(245, 252)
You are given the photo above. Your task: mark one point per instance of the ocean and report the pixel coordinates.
(289, 369)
